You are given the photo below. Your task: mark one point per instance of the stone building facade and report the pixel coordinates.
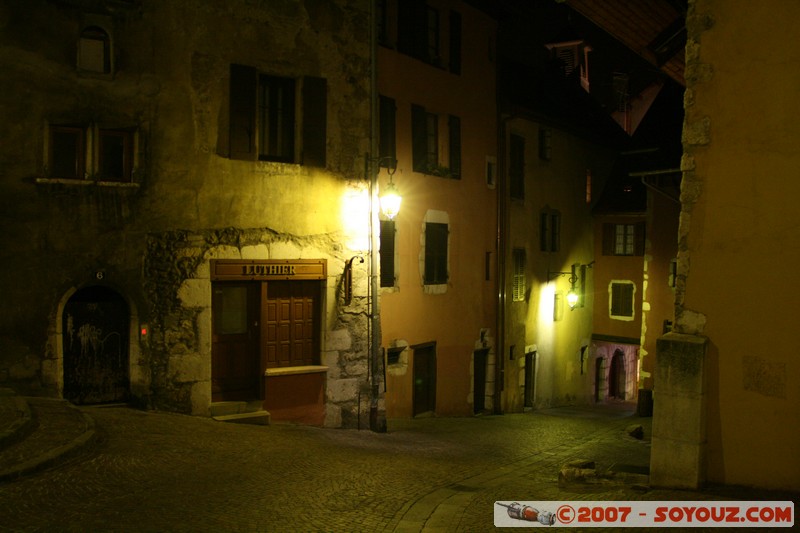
(183, 181)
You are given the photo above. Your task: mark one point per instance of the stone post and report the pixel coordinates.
(677, 456)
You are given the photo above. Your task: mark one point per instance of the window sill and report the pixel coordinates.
(290, 370)
(87, 183)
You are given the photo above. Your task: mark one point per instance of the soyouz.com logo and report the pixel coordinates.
(644, 514)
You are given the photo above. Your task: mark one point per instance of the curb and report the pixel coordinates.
(54, 455)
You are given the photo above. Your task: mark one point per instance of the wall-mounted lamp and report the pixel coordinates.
(572, 296)
(390, 199)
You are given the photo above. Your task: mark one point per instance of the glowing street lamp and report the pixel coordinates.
(390, 201)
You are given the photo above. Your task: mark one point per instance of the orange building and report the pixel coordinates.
(436, 79)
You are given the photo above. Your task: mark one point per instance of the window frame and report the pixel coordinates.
(436, 269)
(309, 120)
(519, 281)
(615, 311)
(610, 239)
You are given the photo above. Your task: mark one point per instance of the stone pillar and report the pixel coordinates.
(677, 456)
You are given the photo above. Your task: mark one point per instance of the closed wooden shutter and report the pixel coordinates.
(419, 138)
(315, 121)
(387, 253)
(242, 108)
(454, 125)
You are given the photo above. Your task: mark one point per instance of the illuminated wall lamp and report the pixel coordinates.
(390, 200)
(572, 295)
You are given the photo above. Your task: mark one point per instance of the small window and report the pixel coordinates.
(491, 171)
(624, 239)
(94, 50)
(436, 235)
(673, 273)
(519, 288)
(115, 155)
(387, 253)
(549, 231)
(621, 299)
(517, 167)
(67, 155)
(393, 355)
(263, 124)
(276, 119)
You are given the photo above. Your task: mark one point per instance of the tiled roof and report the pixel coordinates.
(654, 29)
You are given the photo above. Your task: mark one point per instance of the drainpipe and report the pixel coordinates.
(377, 419)
(500, 351)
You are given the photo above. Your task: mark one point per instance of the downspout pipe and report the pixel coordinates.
(377, 417)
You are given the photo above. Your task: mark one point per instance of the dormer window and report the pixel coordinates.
(94, 50)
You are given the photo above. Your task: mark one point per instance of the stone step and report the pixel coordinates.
(260, 417)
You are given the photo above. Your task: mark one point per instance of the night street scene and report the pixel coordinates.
(398, 265)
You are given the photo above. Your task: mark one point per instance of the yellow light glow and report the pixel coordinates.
(390, 201)
(356, 218)
(572, 299)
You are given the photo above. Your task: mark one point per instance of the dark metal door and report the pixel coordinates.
(235, 358)
(479, 375)
(424, 379)
(95, 326)
(530, 378)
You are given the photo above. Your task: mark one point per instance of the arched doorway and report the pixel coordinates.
(95, 325)
(616, 376)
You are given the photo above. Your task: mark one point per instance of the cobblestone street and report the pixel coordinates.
(167, 472)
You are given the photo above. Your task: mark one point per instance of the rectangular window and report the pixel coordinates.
(67, 153)
(519, 288)
(624, 239)
(276, 119)
(435, 253)
(425, 140)
(115, 155)
(263, 123)
(417, 29)
(621, 295)
(549, 231)
(454, 126)
(516, 169)
(388, 131)
(387, 253)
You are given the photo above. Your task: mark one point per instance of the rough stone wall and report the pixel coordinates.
(187, 201)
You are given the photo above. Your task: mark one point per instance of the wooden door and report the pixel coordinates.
(424, 379)
(235, 360)
(530, 378)
(291, 323)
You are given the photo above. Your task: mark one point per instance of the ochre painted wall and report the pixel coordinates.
(740, 231)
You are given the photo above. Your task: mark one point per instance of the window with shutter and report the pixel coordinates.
(454, 145)
(621, 299)
(624, 239)
(435, 253)
(519, 284)
(387, 253)
(262, 121)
